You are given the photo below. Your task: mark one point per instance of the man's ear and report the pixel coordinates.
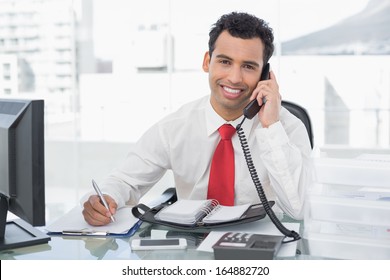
(206, 62)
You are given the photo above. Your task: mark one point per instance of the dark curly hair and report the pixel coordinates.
(244, 26)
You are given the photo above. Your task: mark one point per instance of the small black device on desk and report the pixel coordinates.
(247, 246)
(158, 244)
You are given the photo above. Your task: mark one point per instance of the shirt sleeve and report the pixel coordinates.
(143, 167)
(285, 151)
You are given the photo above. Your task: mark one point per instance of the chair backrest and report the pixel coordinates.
(301, 114)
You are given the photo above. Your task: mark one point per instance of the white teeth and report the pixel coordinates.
(230, 90)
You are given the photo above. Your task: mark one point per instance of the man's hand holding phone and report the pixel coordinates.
(269, 98)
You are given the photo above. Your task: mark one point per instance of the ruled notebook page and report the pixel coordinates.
(185, 211)
(223, 213)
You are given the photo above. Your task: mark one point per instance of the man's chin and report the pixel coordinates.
(233, 105)
(236, 105)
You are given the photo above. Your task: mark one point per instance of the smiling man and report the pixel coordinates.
(188, 141)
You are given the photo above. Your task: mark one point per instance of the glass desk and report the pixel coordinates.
(110, 248)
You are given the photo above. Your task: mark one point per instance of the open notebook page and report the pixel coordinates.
(184, 211)
(223, 213)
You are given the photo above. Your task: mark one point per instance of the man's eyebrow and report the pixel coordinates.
(223, 56)
(253, 63)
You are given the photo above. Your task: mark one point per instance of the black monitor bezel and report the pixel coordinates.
(25, 196)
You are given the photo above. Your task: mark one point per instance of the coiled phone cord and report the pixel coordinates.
(259, 187)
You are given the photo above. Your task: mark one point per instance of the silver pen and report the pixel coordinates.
(99, 193)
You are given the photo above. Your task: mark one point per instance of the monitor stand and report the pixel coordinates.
(17, 233)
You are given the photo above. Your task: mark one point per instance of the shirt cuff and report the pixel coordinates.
(272, 137)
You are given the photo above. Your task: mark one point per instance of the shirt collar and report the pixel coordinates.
(214, 121)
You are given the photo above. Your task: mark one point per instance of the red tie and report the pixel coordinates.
(221, 181)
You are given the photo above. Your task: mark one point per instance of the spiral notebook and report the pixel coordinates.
(190, 212)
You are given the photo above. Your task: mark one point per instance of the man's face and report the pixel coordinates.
(234, 71)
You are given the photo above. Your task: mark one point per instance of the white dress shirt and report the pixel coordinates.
(184, 142)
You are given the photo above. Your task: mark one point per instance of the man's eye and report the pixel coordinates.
(248, 66)
(224, 61)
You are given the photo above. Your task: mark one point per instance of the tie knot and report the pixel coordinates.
(226, 131)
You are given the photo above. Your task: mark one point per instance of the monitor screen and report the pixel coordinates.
(22, 172)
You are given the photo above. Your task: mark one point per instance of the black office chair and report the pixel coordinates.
(301, 114)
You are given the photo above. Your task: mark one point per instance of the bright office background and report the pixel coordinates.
(109, 69)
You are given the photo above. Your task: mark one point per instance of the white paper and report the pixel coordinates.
(223, 213)
(74, 220)
(259, 227)
(158, 234)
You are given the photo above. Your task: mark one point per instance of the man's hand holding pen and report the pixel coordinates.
(96, 214)
(99, 209)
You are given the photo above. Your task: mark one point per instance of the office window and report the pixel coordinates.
(6, 71)
(339, 70)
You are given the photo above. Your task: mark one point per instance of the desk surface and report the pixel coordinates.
(109, 248)
(115, 248)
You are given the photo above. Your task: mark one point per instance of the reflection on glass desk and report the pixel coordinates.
(96, 248)
(110, 248)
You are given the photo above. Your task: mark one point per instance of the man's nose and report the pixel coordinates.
(235, 75)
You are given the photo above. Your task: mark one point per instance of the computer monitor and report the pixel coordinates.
(22, 172)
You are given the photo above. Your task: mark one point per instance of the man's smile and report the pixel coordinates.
(231, 93)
